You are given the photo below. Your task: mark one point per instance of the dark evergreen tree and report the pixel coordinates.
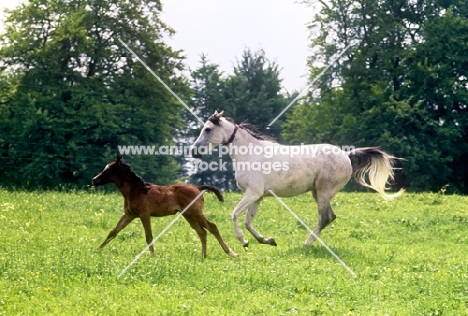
(254, 95)
(79, 93)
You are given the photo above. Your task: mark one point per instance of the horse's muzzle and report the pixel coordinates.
(195, 153)
(97, 182)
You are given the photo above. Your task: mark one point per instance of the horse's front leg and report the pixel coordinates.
(125, 219)
(248, 198)
(146, 221)
(248, 224)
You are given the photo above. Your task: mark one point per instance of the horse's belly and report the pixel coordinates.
(286, 192)
(304, 172)
(288, 189)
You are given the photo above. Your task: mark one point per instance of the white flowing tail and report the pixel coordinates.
(378, 166)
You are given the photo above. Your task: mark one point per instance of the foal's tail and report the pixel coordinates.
(378, 165)
(213, 189)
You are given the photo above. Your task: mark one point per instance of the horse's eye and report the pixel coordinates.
(207, 130)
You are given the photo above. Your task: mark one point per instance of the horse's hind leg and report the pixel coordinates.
(196, 225)
(251, 212)
(213, 229)
(202, 234)
(325, 214)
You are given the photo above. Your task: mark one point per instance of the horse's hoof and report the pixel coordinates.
(271, 241)
(233, 254)
(246, 246)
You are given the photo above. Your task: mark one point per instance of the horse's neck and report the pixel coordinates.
(126, 187)
(244, 139)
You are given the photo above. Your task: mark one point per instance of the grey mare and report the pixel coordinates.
(262, 165)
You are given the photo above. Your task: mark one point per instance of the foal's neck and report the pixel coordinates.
(125, 188)
(130, 184)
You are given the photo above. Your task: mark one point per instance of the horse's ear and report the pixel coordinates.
(218, 114)
(119, 158)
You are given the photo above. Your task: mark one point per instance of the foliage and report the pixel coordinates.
(439, 77)
(409, 256)
(76, 93)
(401, 87)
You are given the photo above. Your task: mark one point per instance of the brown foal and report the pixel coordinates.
(144, 200)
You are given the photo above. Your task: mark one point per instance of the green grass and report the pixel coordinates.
(410, 256)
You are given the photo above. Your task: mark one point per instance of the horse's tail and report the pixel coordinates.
(213, 189)
(378, 165)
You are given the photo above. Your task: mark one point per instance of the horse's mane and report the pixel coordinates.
(249, 128)
(128, 168)
(252, 130)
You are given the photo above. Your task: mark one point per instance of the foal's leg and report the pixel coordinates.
(213, 229)
(248, 198)
(196, 225)
(146, 221)
(248, 224)
(124, 221)
(325, 214)
(202, 234)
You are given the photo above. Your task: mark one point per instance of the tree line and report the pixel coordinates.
(403, 87)
(70, 93)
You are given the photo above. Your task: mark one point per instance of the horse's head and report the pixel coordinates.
(110, 174)
(217, 130)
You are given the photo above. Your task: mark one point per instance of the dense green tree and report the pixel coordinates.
(378, 94)
(439, 79)
(79, 93)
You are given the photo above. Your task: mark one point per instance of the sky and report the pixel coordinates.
(223, 29)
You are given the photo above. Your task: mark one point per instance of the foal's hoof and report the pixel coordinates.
(270, 241)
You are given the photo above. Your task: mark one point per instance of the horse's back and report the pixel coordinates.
(313, 165)
(174, 198)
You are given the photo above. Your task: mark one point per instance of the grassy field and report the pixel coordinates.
(410, 257)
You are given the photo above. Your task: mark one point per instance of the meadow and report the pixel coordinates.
(410, 256)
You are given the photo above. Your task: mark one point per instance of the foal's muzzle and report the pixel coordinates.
(97, 182)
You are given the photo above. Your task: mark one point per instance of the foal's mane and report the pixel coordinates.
(133, 174)
(249, 128)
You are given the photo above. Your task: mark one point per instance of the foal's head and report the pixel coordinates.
(117, 172)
